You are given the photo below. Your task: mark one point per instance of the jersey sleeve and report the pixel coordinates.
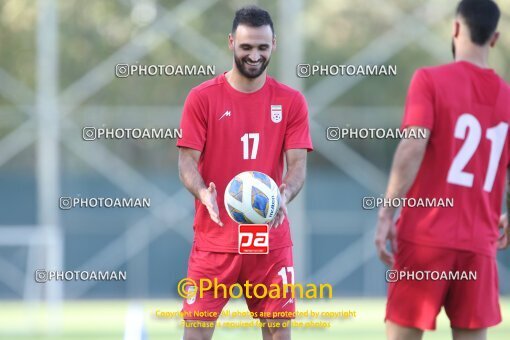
(419, 108)
(297, 134)
(193, 123)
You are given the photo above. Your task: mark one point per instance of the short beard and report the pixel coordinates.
(453, 50)
(241, 66)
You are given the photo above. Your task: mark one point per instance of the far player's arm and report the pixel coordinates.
(193, 181)
(504, 238)
(406, 163)
(296, 172)
(293, 180)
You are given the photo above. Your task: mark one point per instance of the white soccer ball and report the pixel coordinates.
(252, 197)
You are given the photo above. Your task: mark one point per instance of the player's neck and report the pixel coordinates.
(475, 55)
(243, 84)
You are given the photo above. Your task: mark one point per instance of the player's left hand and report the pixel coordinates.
(282, 212)
(504, 239)
(386, 230)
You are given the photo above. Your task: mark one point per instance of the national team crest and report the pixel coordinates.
(276, 113)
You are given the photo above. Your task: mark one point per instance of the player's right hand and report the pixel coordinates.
(385, 231)
(208, 198)
(504, 239)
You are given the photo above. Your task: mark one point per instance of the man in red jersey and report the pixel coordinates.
(241, 120)
(465, 109)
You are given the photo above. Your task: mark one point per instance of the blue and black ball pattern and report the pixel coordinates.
(262, 177)
(236, 189)
(239, 216)
(259, 200)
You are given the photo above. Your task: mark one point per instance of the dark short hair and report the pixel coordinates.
(252, 16)
(481, 16)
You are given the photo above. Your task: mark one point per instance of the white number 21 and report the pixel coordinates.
(497, 137)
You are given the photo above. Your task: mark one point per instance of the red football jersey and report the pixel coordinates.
(238, 132)
(467, 109)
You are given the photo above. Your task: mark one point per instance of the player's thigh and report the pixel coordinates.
(196, 330)
(397, 332)
(276, 329)
(414, 301)
(206, 304)
(469, 334)
(473, 299)
(264, 272)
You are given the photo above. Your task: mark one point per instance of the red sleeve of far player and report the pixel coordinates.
(193, 123)
(297, 134)
(419, 109)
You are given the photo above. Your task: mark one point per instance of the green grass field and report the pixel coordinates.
(101, 320)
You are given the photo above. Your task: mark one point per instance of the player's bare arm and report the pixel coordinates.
(193, 181)
(504, 239)
(292, 182)
(406, 164)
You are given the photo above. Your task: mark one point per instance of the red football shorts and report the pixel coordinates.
(414, 301)
(231, 268)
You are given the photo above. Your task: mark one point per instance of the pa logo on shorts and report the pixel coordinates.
(276, 113)
(192, 295)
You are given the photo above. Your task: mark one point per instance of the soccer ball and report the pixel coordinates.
(252, 197)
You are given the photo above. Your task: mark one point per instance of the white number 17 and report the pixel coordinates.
(246, 145)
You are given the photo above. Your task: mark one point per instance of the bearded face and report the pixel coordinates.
(252, 47)
(251, 68)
